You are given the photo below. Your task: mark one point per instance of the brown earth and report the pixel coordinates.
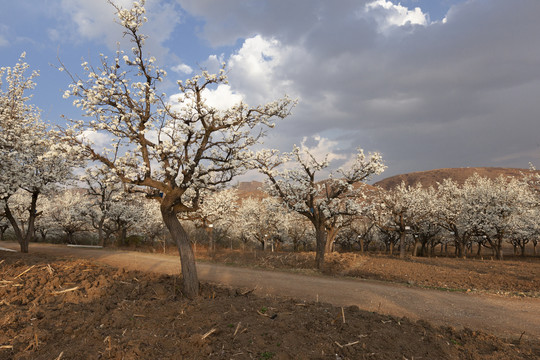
(515, 276)
(64, 308)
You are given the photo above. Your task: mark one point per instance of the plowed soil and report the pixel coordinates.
(62, 308)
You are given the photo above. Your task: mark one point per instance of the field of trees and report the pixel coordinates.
(143, 171)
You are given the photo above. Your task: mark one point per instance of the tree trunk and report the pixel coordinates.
(418, 249)
(402, 244)
(498, 249)
(69, 235)
(330, 238)
(23, 237)
(320, 236)
(3, 231)
(190, 286)
(101, 237)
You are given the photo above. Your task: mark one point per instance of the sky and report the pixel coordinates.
(428, 83)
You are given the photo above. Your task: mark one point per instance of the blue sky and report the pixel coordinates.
(429, 83)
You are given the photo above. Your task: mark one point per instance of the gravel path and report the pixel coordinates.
(503, 316)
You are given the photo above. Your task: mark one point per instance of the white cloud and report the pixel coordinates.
(96, 20)
(256, 69)
(182, 68)
(99, 139)
(322, 148)
(223, 97)
(388, 15)
(3, 41)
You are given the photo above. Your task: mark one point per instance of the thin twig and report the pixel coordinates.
(1, 263)
(519, 341)
(6, 346)
(343, 314)
(60, 356)
(25, 271)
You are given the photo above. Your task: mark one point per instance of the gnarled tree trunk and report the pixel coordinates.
(190, 286)
(24, 237)
(320, 246)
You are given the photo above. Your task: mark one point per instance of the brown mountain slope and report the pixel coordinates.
(254, 190)
(250, 189)
(432, 177)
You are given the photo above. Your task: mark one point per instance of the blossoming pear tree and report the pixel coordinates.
(493, 207)
(262, 221)
(68, 210)
(32, 157)
(292, 177)
(401, 208)
(176, 146)
(104, 190)
(215, 208)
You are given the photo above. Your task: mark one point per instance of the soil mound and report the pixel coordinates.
(60, 308)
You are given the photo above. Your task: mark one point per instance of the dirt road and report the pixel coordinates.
(503, 316)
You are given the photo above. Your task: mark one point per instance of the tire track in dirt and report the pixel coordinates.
(503, 316)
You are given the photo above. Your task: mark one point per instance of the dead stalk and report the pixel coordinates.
(519, 341)
(65, 291)
(262, 314)
(108, 340)
(50, 269)
(6, 347)
(208, 333)
(60, 356)
(245, 293)
(348, 344)
(237, 328)
(25, 271)
(343, 314)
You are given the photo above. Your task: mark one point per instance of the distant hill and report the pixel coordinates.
(432, 177)
(253, 189)
(250, 189)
